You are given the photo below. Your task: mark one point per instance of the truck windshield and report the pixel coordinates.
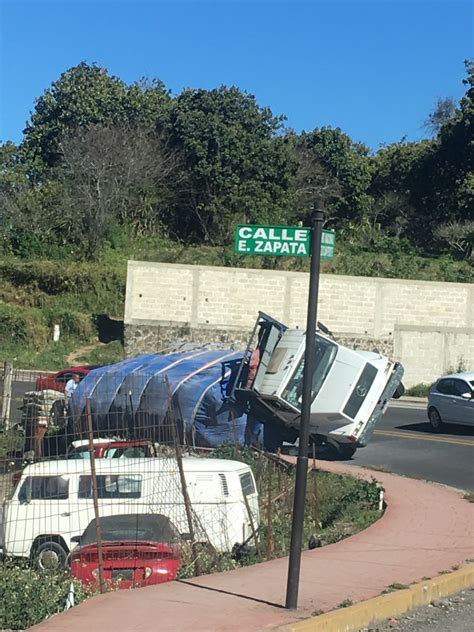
(325, 355)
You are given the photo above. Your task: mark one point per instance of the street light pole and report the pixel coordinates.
(302, 460)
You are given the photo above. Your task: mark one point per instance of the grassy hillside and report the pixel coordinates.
(35, 295)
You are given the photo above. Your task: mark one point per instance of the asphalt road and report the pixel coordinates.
(404, 444)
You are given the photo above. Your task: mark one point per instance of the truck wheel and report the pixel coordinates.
(272, 439)
(348, 451)
(343, 451)
(50, 556)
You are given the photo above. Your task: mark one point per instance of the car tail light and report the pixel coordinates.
(148, 572)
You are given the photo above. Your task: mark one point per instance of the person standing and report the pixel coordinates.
(71, 386)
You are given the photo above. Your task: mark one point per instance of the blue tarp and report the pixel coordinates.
(132, 398)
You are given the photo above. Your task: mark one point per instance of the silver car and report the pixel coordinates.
(451, 400)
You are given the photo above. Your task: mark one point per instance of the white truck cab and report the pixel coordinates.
(350, 388)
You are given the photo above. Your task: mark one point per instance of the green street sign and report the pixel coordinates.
(290, 241)
(328, 244)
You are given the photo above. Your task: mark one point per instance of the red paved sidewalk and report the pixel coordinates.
(427, 528)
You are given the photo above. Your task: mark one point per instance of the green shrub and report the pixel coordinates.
(55, 278)
(27, 597)
(72, 324)
(109, 353)
(419, 390)
(11, 441)
(22, 325)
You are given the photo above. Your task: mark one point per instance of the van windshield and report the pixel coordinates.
(325, 355)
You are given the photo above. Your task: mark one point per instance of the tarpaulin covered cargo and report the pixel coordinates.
(132, 398)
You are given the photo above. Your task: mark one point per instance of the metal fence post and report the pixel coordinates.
(6, 394)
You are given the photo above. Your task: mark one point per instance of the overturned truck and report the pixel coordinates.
(210, 397)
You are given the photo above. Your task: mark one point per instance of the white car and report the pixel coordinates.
(451, 400)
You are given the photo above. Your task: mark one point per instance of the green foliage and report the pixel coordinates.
(11, 441)
(52, 357)
(102, 158)
(54, 278)
(106, 354)
(336, 506)
(27, 597)
(234, 167)
(86, 95)
(419, 390)
(23, 326)
(348, 169)
(202, 561)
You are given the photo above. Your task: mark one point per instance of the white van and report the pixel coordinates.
(53, 501)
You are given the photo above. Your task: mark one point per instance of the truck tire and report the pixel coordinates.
(342, 451)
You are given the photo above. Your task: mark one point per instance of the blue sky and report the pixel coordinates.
(374, 68)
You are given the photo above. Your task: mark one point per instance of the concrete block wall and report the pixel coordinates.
(397, 316)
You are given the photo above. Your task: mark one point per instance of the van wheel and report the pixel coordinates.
(50, 557)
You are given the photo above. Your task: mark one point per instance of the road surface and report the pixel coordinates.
(404, 444)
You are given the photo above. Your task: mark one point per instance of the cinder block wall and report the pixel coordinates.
(428, 326)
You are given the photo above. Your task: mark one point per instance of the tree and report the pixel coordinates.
(443, 111)
(341, 170)
(459, 236)
(86, 95)
(238, 169)
(115, 175)
(312, 185)
(27, 220)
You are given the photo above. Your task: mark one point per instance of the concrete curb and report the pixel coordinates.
(386, 606)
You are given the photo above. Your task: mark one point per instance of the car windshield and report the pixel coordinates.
(136, 527)
(79, 453)
(325, 355)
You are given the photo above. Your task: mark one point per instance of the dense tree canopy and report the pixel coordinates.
(99, 155)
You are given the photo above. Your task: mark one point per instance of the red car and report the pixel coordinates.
(57, 381)
(138, 550)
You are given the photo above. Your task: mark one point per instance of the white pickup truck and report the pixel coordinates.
(350, 388)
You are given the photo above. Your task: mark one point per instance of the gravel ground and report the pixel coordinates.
(451, 614)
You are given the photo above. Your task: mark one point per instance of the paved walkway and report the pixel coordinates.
(426, 529)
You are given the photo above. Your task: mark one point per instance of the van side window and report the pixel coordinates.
(111, 486)
(247, 484)
(44, 488)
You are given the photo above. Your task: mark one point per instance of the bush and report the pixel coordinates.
(27, 597)
(419, 390)
(55, 278)
(336, 506)
(72, 324)
(22, 325)
(11, 441)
